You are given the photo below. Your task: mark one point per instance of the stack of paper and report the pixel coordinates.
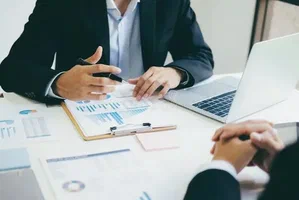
(18, 123)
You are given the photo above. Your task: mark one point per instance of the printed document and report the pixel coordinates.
(20, 123)
(110, 175)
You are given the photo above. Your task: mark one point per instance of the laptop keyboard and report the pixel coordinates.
(219, 105)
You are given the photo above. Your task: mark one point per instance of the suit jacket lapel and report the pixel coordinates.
(147, 31)
(98, 20)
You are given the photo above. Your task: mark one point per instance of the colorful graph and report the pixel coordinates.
(27, 112)
(83, 102)
(97, 107)
(8, 122)
(112, 106)
(7, 129)
(73, 186)
(145, 196)
(116, 118)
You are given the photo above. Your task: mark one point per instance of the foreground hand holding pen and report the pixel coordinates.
(79, 83)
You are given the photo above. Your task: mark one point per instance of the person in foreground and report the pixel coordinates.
(217, 181)
(126, 37)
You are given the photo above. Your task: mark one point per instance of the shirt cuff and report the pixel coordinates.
(186, 76)
(49, 90)
(220, 165)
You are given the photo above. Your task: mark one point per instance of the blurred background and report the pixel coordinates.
(230, 27)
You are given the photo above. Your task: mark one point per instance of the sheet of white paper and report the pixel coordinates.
(124, 90)
(159, 141)
(21, 123)
(109, 175)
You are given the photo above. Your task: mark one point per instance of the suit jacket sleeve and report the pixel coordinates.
(188, 48)
(284, 176)
(32, 55)
(213, 184)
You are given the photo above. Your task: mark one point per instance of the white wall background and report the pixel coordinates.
(226, 26)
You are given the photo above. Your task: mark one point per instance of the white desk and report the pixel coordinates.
(179, 166)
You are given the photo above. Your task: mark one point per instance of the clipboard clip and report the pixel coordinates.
(130, 129)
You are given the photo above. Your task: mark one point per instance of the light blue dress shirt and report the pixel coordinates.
(125, 42)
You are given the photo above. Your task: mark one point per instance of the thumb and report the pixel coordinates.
(96, 57)
(133, 81)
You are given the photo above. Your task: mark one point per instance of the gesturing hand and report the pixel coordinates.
(155, 77)
(79, 84)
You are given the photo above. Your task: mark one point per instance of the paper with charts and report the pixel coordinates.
(20, 123)
(116, 174)
(97, 117)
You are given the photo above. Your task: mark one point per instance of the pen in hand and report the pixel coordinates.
(111, 76)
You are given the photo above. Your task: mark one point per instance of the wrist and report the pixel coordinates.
(229, 161)
(180, 74)
(55, 86)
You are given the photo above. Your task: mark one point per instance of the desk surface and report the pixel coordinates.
(180, 165)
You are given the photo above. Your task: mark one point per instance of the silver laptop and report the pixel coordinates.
(270, 76)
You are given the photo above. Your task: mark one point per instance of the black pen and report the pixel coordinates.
(111, 76)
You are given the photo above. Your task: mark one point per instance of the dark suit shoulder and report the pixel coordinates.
(213, 185)
(284, 176)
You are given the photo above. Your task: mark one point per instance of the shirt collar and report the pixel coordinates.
(131, 7)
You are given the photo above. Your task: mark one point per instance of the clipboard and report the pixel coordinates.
(111, 135)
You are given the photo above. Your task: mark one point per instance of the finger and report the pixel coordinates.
(155, 85)
(274, 133)
(213, 149)
(97, 81)
(147, 84)
(258, 121)
(93, 69)
(96, 97)
(245, 129)
(96, 57)
(141, 81)
(217, 134)
(133, 81)
(163, 92)
(266, 141)
(220, 131)
(101, 89)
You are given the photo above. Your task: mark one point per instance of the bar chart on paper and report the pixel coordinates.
(117, 118)
(97, 107)
(34, 125)
(97, 117)
(7, 129)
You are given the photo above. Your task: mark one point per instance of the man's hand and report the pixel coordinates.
(262, 136)
(244, 128)
(235, 151)
(269, 145)
(79, 84)
(155, 77)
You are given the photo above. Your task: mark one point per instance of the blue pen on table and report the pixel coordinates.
(111, 76)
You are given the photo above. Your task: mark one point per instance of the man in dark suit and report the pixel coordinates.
(232, 154)
(133, 35)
